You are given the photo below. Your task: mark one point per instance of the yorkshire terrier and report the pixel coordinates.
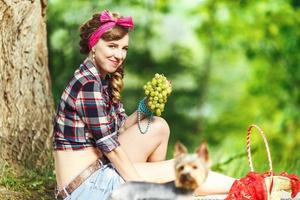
(191, 171)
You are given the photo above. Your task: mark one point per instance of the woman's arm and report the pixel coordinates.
(91, 108)
(123, 165)
(156, 172)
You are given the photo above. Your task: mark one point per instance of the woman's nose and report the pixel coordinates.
(119, 53)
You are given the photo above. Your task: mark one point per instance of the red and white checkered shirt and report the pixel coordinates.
(86, 115)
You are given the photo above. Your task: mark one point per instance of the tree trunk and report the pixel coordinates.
(26, 103)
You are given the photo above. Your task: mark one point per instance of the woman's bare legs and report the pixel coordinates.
(149, 147)
(148, 153)
(215, 183)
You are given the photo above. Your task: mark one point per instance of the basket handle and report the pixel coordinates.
(249, 148)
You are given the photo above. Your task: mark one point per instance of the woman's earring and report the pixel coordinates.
(93, 54)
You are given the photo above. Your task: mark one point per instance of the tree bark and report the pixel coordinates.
(26, 103)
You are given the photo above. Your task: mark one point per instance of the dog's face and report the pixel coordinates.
(191, 169)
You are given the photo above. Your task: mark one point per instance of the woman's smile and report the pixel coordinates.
(114, 62)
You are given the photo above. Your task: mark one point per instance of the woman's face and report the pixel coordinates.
(110, 55)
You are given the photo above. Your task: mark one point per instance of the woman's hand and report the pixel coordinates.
(123, 165)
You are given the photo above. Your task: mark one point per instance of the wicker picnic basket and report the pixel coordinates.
(275, 185)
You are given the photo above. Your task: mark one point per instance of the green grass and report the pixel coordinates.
(26, 183)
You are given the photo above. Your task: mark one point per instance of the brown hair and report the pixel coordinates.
(116, 33)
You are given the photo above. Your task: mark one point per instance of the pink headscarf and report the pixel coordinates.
(107, 22)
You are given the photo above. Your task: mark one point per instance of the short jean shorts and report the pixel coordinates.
(99, 185)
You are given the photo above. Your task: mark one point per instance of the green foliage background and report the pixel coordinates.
(232, 64)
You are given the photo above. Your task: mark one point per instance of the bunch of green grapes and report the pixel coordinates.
(157, 91)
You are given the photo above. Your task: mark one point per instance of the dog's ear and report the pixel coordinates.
(202, 151)
(179, 149)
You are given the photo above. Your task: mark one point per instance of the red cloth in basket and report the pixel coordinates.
(295, 183)
(253, 186)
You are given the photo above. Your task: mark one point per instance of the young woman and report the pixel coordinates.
(96, 146)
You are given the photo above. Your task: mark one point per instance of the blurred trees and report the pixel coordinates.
(232, 63)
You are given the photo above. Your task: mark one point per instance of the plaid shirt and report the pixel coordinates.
(86, 115)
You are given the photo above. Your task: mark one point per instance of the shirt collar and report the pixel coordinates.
(93, 69)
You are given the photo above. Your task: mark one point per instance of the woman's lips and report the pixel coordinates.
(115, 63)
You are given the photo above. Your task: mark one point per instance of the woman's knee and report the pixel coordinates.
(161, 127)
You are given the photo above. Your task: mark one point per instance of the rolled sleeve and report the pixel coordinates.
(121, 114)
(92, 108)
(108, 143)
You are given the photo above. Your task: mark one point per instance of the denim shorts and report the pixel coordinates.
(99, 185)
